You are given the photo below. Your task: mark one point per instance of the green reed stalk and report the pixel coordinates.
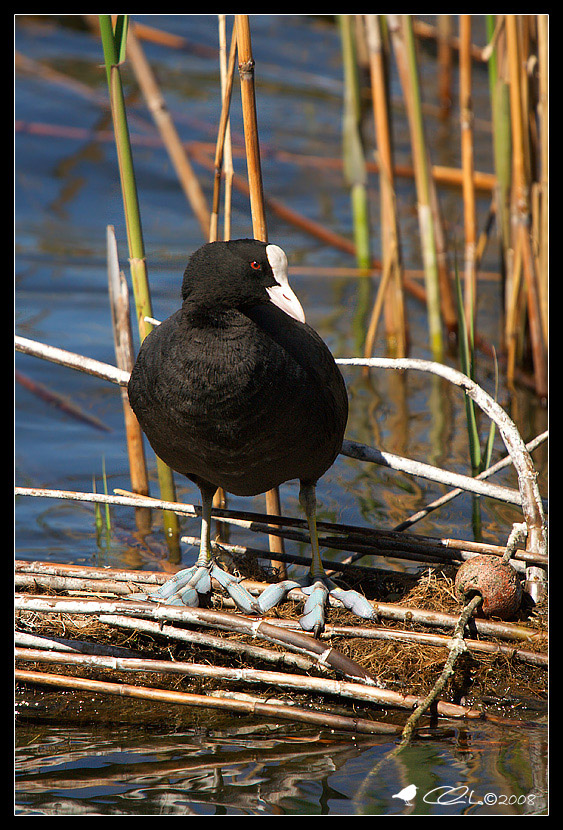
(114, 40)
(354, 160)
(467, 161)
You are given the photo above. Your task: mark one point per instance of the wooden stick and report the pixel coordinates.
(184, 635)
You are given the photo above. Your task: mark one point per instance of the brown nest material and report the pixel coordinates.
(406, 668)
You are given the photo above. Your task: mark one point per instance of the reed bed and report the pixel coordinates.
(81, 628)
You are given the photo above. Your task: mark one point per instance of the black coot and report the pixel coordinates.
(236, 391)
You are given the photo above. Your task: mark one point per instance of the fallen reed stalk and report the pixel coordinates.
(301, 683)
(494, 468)
(96, 581)
(527, 477)
(365, 541)
(222, 131)
(293, 640)
(241, 705)
(202, 639)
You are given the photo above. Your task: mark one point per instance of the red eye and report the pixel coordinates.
(256, 265)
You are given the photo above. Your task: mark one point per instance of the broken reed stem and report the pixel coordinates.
(296, 641)
(494, 468)
(124, 353)
(226, 72)
(457, 648)
(199, 638)
(244, 625)
(30, 575)
(221, 148)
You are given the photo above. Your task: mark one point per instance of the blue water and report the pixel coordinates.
(67, 192)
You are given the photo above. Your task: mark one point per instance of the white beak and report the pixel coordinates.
(282, 294)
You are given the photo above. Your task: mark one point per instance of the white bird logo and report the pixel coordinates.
(406, 794)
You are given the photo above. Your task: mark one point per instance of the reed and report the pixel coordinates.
(256, 190)
(352, 144)
(124, 354)
(390, 293)
(445, 64)
(405, 55)
(157, 106)
(519, 119)
(114, 39)
(466, 118)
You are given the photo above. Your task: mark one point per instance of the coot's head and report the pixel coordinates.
(238, 274)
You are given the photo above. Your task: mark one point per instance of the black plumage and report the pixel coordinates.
(233, 390)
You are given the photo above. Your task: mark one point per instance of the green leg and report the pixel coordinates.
(204, 557)
(308, 502)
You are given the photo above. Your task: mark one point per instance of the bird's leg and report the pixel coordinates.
(205, 556)
(185, 586)
(308, 502)
(313, 618)
(321, 585)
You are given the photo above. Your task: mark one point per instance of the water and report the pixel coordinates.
(67, 192)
